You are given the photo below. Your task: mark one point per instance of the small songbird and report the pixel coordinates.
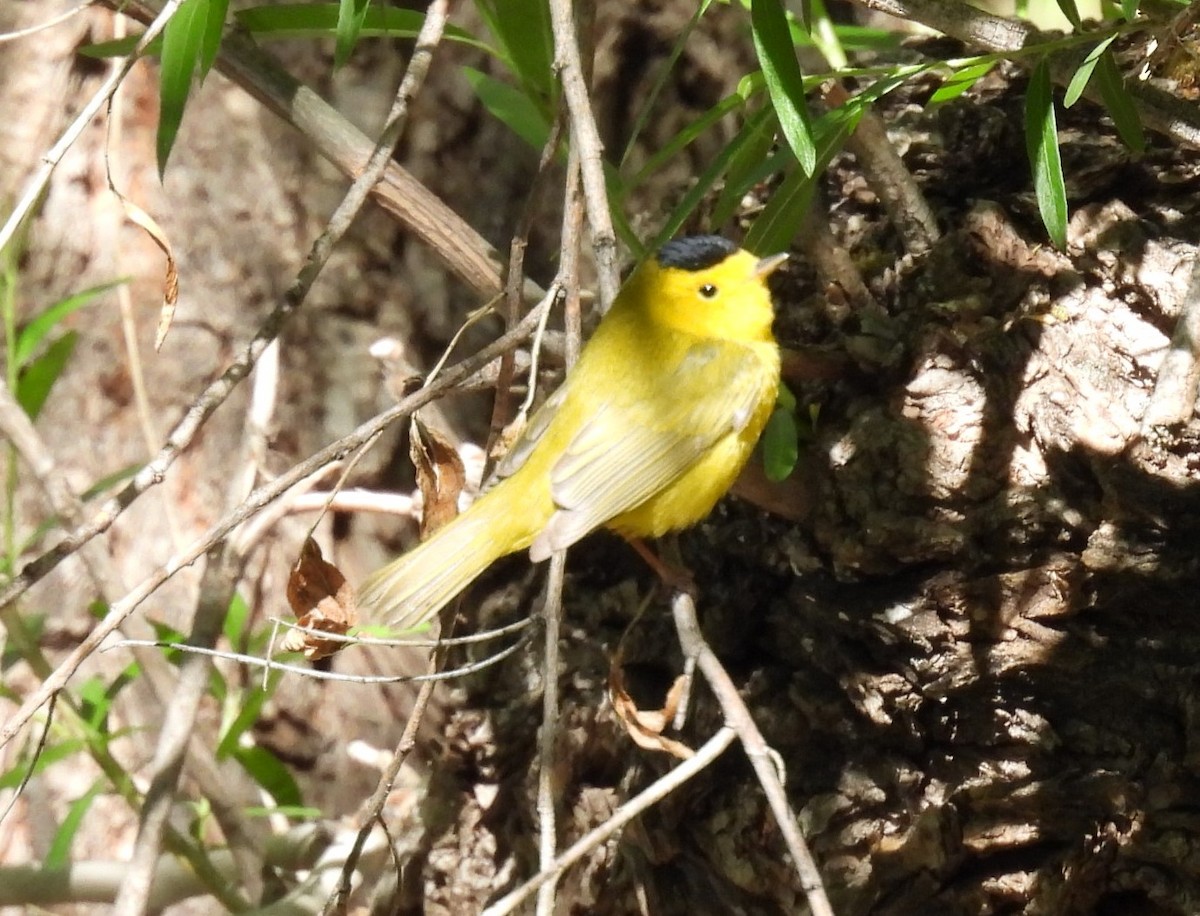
(648, 430)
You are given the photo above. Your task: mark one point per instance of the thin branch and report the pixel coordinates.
(547, 789)
(50, 23)
(762, 758)
(372, 811)
(591, 150)
(643, 801)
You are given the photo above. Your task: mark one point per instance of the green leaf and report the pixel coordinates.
(685, 137)
(1120, 104)
(960, 81)
(183, 42)
(1041, 140)
(36, 330)
(781, 445)
(785, 82)
(351, 14)
(266, 769)
(236, 621)
(780, 219)
(50, 755)
(666, 71)
(691, 200)
(210, 42)
(40, 374)
(59, 854)
(1071, 12)
(1129, 9)
(513, 108)
(247, 712)
(751, 164)
(523, 29)
(1081, 77)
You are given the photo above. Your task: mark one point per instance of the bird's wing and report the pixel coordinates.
(628, 449)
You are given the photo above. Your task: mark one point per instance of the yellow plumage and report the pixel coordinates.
(648, 430)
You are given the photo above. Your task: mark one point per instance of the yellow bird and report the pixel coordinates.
(648, 430)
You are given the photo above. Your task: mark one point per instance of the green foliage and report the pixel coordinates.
(190, 44)
(59, 854)
(785, 82)
(1041, 139)
(513, 108)
(351, 15)
(781, 438)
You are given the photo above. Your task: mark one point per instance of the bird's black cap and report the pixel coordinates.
(695, 252)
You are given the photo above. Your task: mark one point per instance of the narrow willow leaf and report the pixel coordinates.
(1071, 12)
(183, 39)
(785, 82)
(1041, 139)
(351, 14)
(214, 27)
(690, 132)
(516, 110)
(523, 29)
(718, 167)
(40, 325)
(59, 854)
(781, 444)
(1120, 104)
(776, 226)
(266, 770)
(1081, 77)
(959, 82)
(39, 376)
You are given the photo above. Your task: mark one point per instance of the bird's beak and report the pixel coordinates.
(768, 265)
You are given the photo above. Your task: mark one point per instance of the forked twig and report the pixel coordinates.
(647, 798)
(762, 758)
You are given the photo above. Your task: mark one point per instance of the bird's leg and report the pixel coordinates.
(671, 571)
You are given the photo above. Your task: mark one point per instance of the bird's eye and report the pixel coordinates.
(708, 291)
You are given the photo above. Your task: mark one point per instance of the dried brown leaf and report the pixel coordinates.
(440, 475)
(321, 599)
(646, 726)
(147, 223)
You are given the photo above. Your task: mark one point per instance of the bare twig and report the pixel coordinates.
(50, 23)
(372, 811)
(762, 758)
(583, 129)
(906, 206)
(644, 800)
(547, 791)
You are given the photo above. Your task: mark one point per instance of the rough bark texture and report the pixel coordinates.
(977, 655)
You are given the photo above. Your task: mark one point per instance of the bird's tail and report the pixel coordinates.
(412, 588)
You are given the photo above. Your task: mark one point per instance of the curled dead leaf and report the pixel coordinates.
(150, 226)
(441, 476)
(646, 726)
(321, 599)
